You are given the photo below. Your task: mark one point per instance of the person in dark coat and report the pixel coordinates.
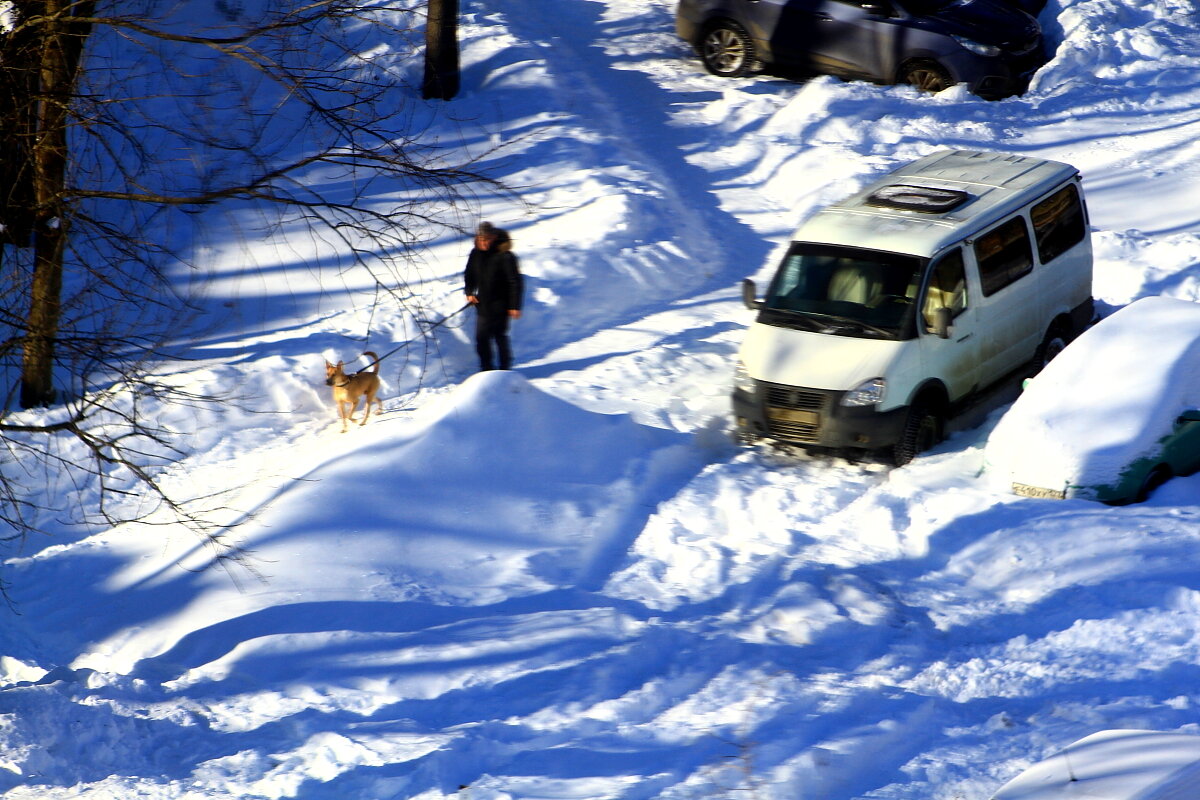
(493, 284)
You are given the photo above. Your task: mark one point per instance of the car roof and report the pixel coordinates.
(1144, 358)
(994, 184)
(1114, 765)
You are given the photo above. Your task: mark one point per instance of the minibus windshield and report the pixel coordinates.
(845, 290)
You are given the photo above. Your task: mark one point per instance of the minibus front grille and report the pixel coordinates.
(794, 414)
(792, 397)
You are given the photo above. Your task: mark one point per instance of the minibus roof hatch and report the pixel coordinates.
(912, 197)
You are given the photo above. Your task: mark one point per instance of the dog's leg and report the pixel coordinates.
(370, 397)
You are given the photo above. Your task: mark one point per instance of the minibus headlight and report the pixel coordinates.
(978, 48)
(867, 393)
(742, 380)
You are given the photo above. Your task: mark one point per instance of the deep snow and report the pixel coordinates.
(567, 582)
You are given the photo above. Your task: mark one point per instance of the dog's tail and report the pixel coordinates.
(374, 361)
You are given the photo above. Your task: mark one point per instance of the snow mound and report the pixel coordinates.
(500, 490)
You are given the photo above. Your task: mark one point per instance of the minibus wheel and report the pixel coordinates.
(922, 430)
(1055, 342)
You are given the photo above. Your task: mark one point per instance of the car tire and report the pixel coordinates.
(922, 430)
(926, 76)
(1154, 479)
(727, 50)
(1053, 343)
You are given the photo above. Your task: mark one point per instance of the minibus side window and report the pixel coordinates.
(1058, 223)
(947, 288)
(1004, 254)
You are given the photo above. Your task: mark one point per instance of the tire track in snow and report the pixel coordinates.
(670, 239)
(603, 75)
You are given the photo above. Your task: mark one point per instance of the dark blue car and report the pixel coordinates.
(993, 46)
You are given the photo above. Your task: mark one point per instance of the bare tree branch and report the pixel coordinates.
(303, 115)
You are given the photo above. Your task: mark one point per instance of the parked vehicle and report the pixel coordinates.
(1030, 7)
(892, 308)
(1114, 765)
(991, 45)
(1115, 416)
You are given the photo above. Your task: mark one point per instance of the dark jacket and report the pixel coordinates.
(494, 276)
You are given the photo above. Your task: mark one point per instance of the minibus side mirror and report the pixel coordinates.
(748, 293)
(1191, 415)
(941, 322)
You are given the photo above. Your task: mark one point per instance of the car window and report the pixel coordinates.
(1004, 254)
(1058, 223)
(947, 288)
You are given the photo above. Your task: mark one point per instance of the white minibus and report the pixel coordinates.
(893, 308)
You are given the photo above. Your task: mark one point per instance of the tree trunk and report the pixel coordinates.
(441, 50)
(61, 49)
(19, 73)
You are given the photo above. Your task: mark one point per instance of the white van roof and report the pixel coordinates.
(1114, 765)
(924, 206)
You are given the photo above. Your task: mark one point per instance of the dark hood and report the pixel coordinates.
(987, 21)
(1031, 7)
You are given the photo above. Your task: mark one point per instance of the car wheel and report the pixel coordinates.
(922, 430)
(727, 50)
(1154, 479)
(1054, 342)
(926, 76)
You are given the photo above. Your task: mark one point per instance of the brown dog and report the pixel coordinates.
(348, 388)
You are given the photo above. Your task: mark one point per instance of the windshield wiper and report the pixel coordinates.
(788, 317)
(857, 323)
(816, 321)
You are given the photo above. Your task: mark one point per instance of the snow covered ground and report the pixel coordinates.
(566, 581)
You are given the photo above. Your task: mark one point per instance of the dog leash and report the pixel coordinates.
(431, 328)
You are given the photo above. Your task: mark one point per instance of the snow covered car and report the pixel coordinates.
(1114, 416)
(993, 46)
(1114, 765)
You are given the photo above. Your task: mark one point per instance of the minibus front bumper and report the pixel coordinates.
(814, 418)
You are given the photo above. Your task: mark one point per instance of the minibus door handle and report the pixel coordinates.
(963, 339)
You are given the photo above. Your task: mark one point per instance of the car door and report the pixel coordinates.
(789, 28)
(851, 37)
(954, 359)
(1181, 449)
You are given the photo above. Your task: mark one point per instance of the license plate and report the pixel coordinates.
(1025, 490)
(797, 415)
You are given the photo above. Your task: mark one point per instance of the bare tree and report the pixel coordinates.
(441, 50)
(122, 127)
